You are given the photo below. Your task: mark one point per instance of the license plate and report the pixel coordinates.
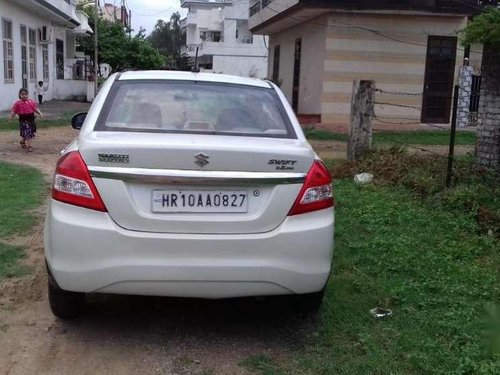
(200, 201)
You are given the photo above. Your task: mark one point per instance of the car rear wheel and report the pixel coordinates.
(310, 302)
(64, 304)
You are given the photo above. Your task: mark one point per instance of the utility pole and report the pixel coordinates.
(130, 23)
(96, 21)
(452, 136)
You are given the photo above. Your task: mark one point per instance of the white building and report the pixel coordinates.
(218, 29)
(38, 44)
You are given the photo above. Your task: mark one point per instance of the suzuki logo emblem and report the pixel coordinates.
(201, 159)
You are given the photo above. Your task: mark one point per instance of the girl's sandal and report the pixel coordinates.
(30, 149)
(23, 144)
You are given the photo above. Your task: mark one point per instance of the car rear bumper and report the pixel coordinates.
(87, 252)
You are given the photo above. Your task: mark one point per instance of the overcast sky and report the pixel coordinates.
(145, 13)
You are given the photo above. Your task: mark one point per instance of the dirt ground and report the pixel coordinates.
(130, 335)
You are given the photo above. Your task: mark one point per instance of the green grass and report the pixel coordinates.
(424, 138)
(325, 135)
(386, 137)
(21, 189)
(5, 125)
(22, 192)
(263, 364)
(428, 265)
(64, 120)
(9, 265)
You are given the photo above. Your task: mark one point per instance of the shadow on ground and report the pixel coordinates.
(157, 320)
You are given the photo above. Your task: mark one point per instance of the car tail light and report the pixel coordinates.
(316, 194)
(72, 183)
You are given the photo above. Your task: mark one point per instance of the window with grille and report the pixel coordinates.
(32, 54)
(276, 65)
(8, 51)
(24, 55)
(59, 59)
(45, 62)
(24, 39)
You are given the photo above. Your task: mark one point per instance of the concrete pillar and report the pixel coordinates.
(90, 91)
(360, 133)
(464, 94)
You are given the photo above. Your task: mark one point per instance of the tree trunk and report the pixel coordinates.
(488, 146)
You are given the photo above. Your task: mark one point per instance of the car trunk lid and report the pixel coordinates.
(220, 184)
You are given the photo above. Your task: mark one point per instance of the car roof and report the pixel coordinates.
(190, 76)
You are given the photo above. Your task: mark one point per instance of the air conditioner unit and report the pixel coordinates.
(46, 34)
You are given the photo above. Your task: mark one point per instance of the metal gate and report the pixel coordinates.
(474, 100)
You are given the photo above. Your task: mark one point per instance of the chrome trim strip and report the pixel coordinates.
(186, 177)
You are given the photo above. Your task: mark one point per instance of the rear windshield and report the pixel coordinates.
(194, 107)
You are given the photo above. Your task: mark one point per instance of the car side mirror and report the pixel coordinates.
(78, 120)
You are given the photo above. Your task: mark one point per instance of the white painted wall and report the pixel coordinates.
(230, 56)
(240, 66)
(69, 89)
(239, 10)
(56, 89)
(313, 36)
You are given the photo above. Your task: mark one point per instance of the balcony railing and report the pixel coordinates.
(260, 4)
(209, 3)
(255, 8)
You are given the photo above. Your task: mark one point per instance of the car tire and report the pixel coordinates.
(64, 304)
(310, 302)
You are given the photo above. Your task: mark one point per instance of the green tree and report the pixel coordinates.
(142, 55)
(117, 49)
(485, 29)
(168, 38)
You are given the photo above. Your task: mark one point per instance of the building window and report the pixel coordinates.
(59, 59)
(8, 51)
(45, 62)
(276, 65)
(32, 54)
(248, 39)
(24, 56)
(216, 36)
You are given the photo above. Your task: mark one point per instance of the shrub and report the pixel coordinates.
(474, 191)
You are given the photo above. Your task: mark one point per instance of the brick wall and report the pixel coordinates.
(488, 148)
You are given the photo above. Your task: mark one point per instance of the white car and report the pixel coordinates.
(188, 185)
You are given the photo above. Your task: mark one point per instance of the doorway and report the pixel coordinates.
(439, 78)
(24, 56)
(24, 65)
(296, 75)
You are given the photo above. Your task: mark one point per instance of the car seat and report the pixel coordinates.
(146, 114)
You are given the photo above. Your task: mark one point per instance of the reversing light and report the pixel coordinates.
(316, 193)
(73, 184)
